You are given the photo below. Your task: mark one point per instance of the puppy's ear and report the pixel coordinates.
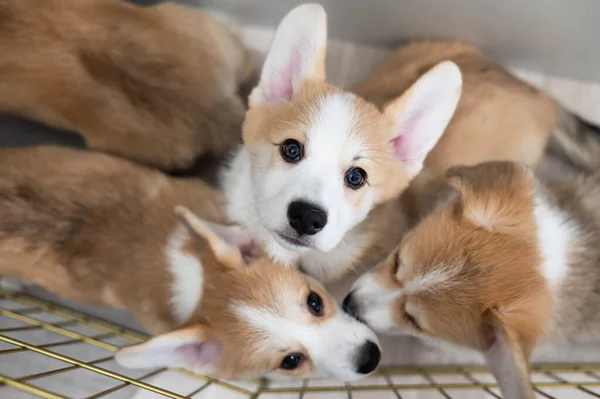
(496, 196)
(421, 115)
(192, 348)
(229, 244)
(297, 55)
(507, 353)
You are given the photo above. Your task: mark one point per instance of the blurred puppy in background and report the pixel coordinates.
(157, 85)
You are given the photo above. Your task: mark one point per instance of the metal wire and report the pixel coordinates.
(32, 383)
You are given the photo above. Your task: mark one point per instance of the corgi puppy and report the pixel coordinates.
(503, 264)
(316, 159)
(157, 84)
(101, 230)
(319, 165)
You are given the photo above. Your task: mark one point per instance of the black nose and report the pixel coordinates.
(368, 358)
(306, 218)
(349, 305)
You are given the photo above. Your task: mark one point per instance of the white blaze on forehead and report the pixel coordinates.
(333, 123)
(332, 138)
(333, 142)
(186, 270)
(428, 281)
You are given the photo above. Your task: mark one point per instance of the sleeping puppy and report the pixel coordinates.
(504, 264)
(101, 230)
(157, 85)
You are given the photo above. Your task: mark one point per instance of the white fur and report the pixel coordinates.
(556, 235)
(333, 354)
(374, 302)
(295, 54)
(426, 281)
(258, 194)
(332, 143)
(423, 115)
(187, 276)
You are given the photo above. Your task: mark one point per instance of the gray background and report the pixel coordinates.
(559, 37)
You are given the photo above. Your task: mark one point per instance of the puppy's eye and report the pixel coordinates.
(356, 178)
(292, 151)
(292, 361)
(411, 319)
(396, 264)
(315, 304)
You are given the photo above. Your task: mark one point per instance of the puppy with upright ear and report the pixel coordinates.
(317, 159)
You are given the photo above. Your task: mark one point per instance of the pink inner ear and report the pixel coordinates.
(200, 354)
(406, 144)
(280, 86)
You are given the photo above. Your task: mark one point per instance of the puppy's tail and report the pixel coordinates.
(576, 141)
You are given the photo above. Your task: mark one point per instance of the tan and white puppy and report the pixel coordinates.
(157, 84)
(503, 264)
(101, 230)
(318, 159)
(320, 165)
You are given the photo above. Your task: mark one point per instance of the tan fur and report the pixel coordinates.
(77, 223)
(154, 84)
(499, 117)
(94, 228)
(276, 123)
(484, 242)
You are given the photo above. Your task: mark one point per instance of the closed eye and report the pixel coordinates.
(411, 319)
(396, 264)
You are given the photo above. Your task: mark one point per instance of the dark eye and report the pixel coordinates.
(356, 178)
(315, 304)
(411, 319)
(292, 151)
(292, 362)
(396, 264)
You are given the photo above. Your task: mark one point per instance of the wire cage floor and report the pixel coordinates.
(52, 352)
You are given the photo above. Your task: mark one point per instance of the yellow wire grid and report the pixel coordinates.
(52, 352)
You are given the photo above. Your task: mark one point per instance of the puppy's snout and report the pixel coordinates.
(367, 358)
(306, 218)
(350, 306)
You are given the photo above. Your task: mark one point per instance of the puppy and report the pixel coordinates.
(504, 264)
(320, 165)
(101, 230)
(316, 159)
(157, 85)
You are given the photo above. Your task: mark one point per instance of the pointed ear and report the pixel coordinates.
(421, 115)
(191, 348)
(297, 54)
(497, 196)
(229, 244)
(508, 354)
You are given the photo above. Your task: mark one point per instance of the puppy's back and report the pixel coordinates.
(76, 222)
(153, 84)
(499, 117)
